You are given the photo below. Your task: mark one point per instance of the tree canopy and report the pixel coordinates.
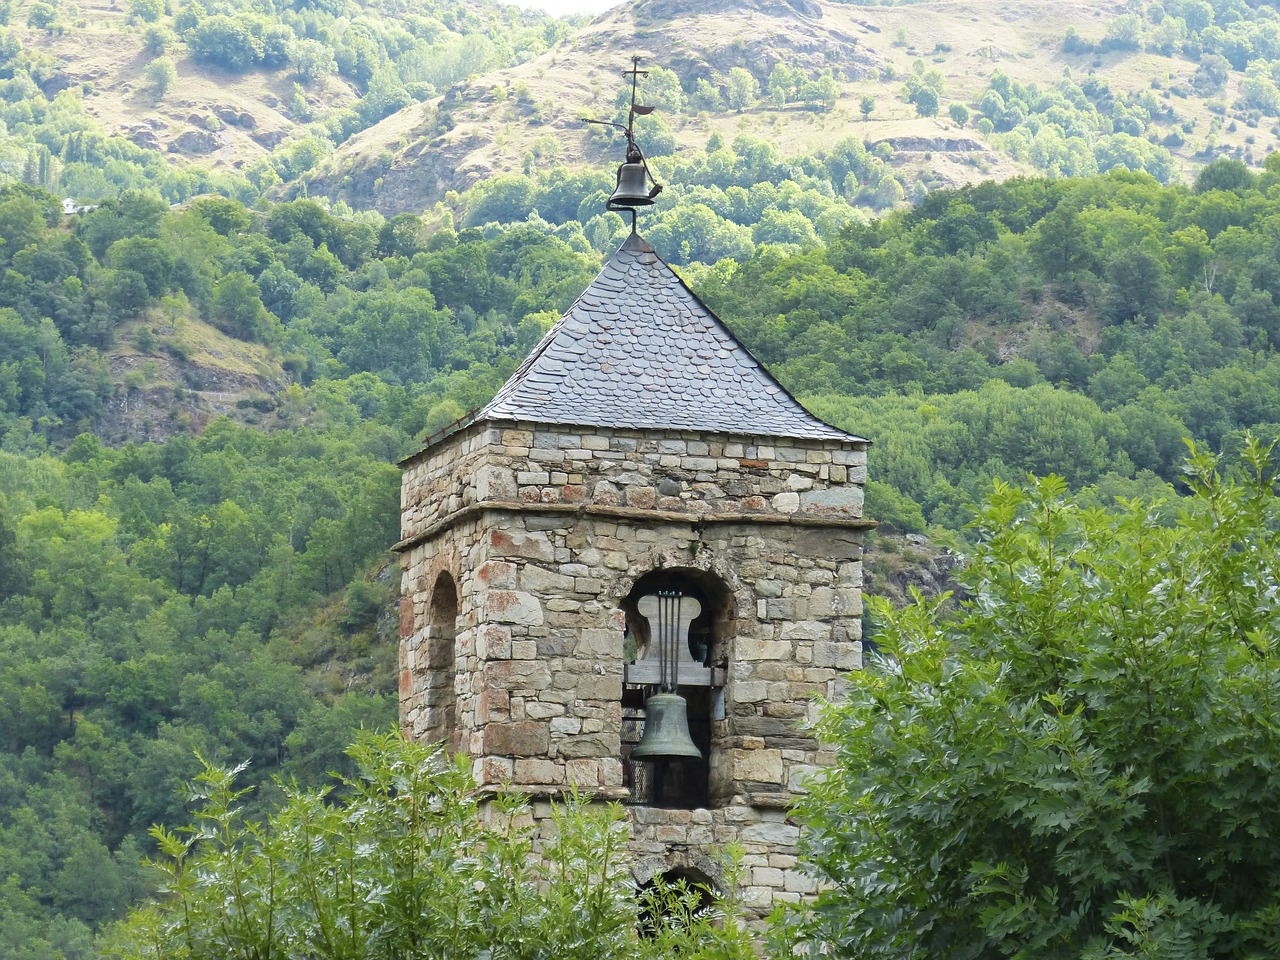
(1081, 759)
(403, 863)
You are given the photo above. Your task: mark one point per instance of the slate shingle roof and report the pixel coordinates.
(639, 350)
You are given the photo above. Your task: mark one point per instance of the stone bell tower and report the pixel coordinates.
(639, 451)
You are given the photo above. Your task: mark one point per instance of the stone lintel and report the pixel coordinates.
(628, 513)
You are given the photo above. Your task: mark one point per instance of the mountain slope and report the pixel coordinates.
(505, 120)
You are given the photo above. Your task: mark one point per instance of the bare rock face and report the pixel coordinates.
(927, 144)
(195, 141)
(144, 137)
(235, 118)
(270, 138)
(673, 9)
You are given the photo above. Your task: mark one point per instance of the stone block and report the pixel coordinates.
(746, 648)
(528, 738)
(757, 899)
(537, 772)
(518, 674)
(584, 773)
(493, 642)
(494, 482)
(539, 580)
(786, 502)
(518, 543)
(782, 834)
(838, 656)
(641, 497)
(542, 710)
(493, 769)
(500, 574)
(589, 745)
(758, 766)
(811, 630)
(840, 501)
(511, 606)
(517, 438)
(768, 877)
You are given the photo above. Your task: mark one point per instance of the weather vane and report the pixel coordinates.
(632, 188)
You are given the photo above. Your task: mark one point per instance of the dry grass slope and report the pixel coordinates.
(411, 159)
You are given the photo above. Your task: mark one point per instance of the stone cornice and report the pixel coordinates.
(628, 513)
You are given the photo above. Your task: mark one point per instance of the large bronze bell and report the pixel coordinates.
(632, 189)
(666, 730)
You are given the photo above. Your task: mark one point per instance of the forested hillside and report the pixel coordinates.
(220, 592)
(227, 590)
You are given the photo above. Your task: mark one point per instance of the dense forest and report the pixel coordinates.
(224, 593)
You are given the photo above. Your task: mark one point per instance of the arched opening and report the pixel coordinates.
(442, 635)
(702, 653)
(675, 898)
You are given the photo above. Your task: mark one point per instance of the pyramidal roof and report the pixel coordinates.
(639, 350)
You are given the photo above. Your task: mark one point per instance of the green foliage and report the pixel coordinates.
(924, 89)
(146, 11)
(311, 60)
(402, 862)
(160, 74)
(42, 16)
(1078, 761)
(227, 42)
(744, 89)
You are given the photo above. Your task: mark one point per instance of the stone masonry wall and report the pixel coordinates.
(671, 471)
(545, 532)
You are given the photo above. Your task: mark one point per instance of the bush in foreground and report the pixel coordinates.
(402, 862)
(1083, 759)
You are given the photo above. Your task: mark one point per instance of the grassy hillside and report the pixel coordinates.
(1145, 86)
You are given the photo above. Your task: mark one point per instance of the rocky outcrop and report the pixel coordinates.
(932, 144)
(195, 141)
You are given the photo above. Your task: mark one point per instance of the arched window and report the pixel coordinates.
(702, 653)
(442, 635)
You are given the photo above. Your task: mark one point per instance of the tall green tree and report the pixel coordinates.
(1082, 759)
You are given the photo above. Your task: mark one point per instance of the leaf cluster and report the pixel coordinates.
(407, 862)
(1079, 761)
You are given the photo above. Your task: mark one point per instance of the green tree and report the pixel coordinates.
(146, 11)
(926, 101)
(311, 59)
(41, 16)
(959, 113)
(227, 42)
(238, 309)
(1079, 759)
(157, 39)
(403, 862)
(744, 89)
(161, 75)
(867, 106)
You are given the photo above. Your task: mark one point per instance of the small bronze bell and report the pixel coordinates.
(666, 730)
(632, 189)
